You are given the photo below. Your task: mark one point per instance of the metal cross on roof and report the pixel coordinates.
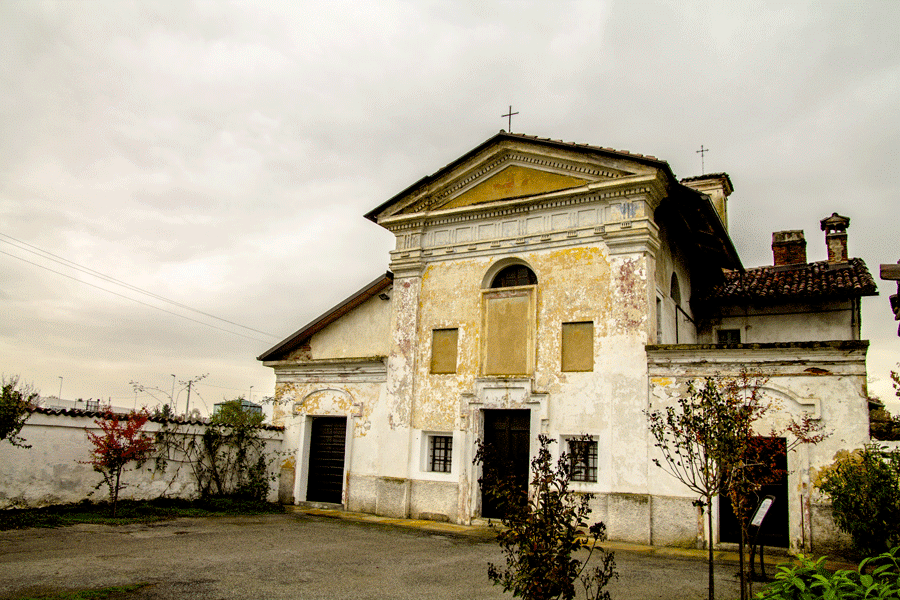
(702, 151)
(510, 116)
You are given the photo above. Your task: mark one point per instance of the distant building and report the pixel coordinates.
(542, 287)
(90, 405)
(250, 407)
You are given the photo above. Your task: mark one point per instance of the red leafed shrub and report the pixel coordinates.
(122, 440)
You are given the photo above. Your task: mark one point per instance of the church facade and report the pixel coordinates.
(544, 287)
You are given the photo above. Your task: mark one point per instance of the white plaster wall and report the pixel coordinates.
(786, 323)
(52, 471)
(825, 381)
(363, 332)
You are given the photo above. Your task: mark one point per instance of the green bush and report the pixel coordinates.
(864, 488)
(810, 580)
(542, 531)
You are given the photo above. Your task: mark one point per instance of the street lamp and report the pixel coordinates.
(172, 395)
(251, 394)
(59, 397)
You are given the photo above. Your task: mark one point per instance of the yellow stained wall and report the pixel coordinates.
(574, 284)
(513, 182)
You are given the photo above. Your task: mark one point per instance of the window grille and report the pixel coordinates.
(514, 275)
(729, 336)
(583, 460)
(440, 453)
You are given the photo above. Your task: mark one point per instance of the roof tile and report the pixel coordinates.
(816, 280)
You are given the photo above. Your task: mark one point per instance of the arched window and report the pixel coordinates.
(675, 290)
(675, 293)
(509, 309)
(514, 275)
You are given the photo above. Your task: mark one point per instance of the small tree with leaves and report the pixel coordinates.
(229, 458)
(544, 529)
(710, 444)
(121, 441)
(864, 489)
(16, 403)
(695, 437)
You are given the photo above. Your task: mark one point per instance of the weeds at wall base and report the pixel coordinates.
(131, 511)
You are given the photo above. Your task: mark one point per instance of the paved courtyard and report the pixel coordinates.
(297, 556)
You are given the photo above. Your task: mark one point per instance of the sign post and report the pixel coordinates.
(756, 524)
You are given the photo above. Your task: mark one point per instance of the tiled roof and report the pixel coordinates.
(818, 280)
(584, 146)
(707, 176)
(96, 414)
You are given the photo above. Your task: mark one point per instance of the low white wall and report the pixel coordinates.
(54, 469)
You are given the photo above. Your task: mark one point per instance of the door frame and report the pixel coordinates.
(527, 457)
(301, 485)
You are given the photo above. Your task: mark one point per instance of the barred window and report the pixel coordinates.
(440, 453)
(728, 336)
(583, 460)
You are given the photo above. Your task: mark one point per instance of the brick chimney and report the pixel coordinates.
(835, 228)
(789, 248)
(718, 187)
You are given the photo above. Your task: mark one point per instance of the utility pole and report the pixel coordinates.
(189, 383)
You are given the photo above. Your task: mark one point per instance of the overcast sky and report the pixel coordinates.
(221, 155)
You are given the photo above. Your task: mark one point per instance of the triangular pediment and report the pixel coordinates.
(513, 181)
(515, 166)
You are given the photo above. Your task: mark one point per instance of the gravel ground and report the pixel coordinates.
(295, 556)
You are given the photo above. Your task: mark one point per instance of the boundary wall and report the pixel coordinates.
(55, 470)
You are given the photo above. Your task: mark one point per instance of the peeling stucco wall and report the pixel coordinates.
(53, 470)
(826, 381)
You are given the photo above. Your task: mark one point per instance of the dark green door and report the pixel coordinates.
(507, 440)
(326, 459)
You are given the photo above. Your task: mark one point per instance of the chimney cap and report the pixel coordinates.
(785, 237)
(835, 222)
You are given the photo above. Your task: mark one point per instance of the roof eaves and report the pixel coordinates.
(330, 316)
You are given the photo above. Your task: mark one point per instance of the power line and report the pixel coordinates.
(135, 299)
(87, 270)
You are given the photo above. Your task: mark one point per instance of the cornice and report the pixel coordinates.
(355, 370)
(809, 359)
(650, 186)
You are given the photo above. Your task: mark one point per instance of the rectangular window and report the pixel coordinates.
(440, 453)
(583, 460)
(443, 350)
(728, 336)
(577, 346)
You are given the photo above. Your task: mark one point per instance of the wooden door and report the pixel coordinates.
(326, 459)
(507, 439)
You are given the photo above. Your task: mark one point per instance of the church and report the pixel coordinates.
(546, 287)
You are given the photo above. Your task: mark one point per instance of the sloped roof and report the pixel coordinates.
(299, 337)
(501, 136)
(812, 281)
(693, 210)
